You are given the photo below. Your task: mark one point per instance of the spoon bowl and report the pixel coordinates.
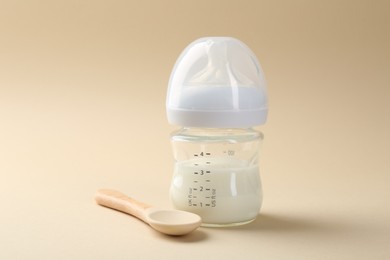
(170, 222)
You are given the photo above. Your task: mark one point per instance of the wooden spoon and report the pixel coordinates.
(170, 222)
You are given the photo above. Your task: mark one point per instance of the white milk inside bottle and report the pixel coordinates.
(220, 190)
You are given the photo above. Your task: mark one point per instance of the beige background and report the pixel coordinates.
(82, 106)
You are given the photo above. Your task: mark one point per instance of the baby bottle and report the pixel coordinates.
(216, 94)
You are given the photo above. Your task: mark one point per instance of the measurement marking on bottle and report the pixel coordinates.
(201, 154)
(201, 196)
(229, 152)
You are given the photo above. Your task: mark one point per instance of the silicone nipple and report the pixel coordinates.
(219, 70)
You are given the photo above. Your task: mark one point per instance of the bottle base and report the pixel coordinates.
(222, 225)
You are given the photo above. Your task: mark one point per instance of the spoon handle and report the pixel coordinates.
(119, 201)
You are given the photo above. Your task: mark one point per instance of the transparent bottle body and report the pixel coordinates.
(216, 174)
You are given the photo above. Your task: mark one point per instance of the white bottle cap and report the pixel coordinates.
(217, 82)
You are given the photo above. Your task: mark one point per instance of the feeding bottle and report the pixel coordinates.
(217, 94)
